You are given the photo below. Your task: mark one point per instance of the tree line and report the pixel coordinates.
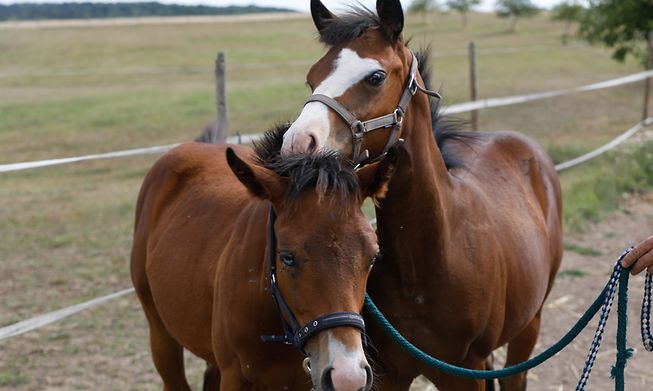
(624, 25)
(32, 11)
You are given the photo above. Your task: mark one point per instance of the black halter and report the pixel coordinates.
(293, 333)
(393, 120)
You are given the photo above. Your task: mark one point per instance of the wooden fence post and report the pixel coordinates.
(222, 120)
(647, 81)
(473, 84)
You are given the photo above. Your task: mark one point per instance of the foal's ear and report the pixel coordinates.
(260, 181)
(374, 178)
(391, 16)
(321, 15)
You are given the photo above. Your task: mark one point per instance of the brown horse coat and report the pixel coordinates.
(199, 267)
(470, 230)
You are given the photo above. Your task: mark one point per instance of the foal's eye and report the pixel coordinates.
(377, 78)
(288, 259)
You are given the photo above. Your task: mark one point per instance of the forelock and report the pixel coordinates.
(346, 27)
(323, 171)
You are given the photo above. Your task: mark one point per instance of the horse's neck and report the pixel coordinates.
(412, 220)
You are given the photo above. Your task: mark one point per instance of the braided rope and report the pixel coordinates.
(603, 302)
(647, 338)
(610, 290)
(420, 355)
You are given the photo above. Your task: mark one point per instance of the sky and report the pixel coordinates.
(300, 5)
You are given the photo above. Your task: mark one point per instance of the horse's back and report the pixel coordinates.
(173, 264)
(541, 178)
(499, 158)
(515, 181)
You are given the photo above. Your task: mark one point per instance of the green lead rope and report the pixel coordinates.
(604, 300)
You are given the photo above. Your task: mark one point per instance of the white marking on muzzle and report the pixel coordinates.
(312, 125)
(348, 372)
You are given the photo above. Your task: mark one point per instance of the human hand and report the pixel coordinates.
(640, 258)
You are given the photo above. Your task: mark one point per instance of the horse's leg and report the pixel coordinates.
(489, 365)
(455, 383)
(232, 380)
(211, 378)
(520, 349)
(167, 354)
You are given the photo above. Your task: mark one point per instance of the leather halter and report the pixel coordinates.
(393, 120)
(293, 333)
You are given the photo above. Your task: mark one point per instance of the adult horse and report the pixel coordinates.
(201, 272)
(470, 229)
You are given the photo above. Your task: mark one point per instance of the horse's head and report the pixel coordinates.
(366, 71)
(325, 249)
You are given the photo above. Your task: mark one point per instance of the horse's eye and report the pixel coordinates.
(377, 78)
(288, 259)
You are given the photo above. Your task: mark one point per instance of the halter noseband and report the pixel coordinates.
(293, 333)
(393, 120)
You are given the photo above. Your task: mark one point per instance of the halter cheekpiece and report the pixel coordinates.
(393, 120)
(293, 333)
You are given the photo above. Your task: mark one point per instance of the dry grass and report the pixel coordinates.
(66, 231)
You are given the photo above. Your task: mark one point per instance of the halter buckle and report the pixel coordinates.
(358, 128)
(412, 84)
(398, 116)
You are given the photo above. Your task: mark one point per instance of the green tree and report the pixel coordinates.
(624, 25)
(569, 12)
(423, 7)
(516, 9)
(463, 7)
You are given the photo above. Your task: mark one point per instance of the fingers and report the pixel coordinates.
(640, 250)
(645, 261)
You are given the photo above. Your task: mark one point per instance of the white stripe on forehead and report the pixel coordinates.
(349, 69)
(312, 125)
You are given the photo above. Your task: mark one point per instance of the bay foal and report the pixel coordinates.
(200, 268)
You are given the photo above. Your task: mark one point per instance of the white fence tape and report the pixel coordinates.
(245, 139)
(45, 319)
(51, 317)
(601, 150)
(453, 109)
(511, 100)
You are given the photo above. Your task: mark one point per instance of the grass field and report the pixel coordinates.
(66, 231)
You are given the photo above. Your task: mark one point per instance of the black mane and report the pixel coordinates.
(344, 28)
(322, 170)
(445, 129)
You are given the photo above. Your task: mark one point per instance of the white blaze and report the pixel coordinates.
(349, 69)
(348, 365)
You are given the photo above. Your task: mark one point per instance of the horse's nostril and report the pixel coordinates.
(370, 378)
(313, 144)
(327, 382)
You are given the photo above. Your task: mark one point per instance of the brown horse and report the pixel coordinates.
(470, 229)
(200, 270)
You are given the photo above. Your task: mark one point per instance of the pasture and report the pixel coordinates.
(66, 231)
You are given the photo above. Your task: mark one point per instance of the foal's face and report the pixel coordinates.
(366, 75)
(326, 249)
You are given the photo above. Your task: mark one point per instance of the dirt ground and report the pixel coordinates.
(106, 348)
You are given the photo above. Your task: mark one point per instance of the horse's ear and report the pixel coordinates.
(260, 181)
(391, 16)
(321, 15)
(374, 178)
